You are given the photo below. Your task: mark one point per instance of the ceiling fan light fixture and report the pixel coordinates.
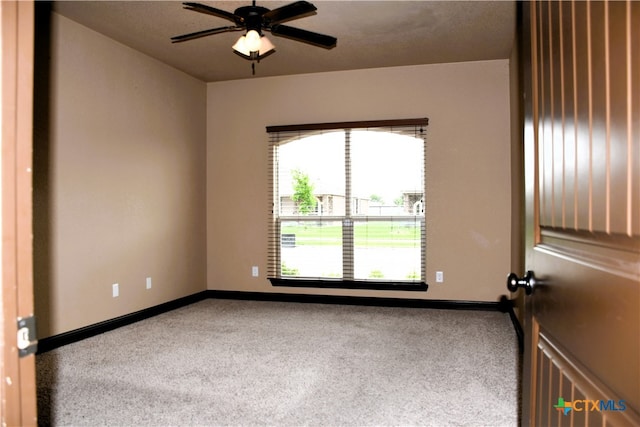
(253, 46)
(266, 46)
(252, 41)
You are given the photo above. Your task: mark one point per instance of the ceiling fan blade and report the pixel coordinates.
(304, 36)
(202, 8)
(291, 11)
(203, 33)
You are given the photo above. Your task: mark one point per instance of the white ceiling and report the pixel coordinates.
(370, 34)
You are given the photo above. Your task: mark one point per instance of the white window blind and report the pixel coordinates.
(347, 205)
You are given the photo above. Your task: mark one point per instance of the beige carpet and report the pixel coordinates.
(225, 362)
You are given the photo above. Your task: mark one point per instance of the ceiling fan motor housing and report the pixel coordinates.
(251, 17)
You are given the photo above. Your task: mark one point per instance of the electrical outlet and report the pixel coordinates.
(148, 282)
(254, 271)
(115, 290)
(439, 277)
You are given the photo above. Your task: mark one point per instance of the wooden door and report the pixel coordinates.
(582, 178)
(17, 374)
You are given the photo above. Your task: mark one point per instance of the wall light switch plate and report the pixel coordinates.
(439, 276)
(115, 290)
(148, 282)
(254, 271)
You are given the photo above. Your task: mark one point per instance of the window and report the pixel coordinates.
(347, 205)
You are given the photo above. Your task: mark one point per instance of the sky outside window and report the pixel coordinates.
(376, 168)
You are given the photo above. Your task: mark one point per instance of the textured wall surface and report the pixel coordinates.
(120, 181)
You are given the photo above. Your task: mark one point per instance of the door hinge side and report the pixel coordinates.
(27, 342)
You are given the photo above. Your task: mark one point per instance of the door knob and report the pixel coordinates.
(528, 282)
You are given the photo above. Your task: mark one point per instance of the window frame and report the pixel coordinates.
(275, 219)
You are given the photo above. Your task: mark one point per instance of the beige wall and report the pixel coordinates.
(468, 167)
(119, 186)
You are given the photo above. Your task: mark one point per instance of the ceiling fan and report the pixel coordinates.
(253, 45)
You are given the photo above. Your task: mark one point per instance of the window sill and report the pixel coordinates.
(350, 284)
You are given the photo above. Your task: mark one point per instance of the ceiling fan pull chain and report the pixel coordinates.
(253, 68)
